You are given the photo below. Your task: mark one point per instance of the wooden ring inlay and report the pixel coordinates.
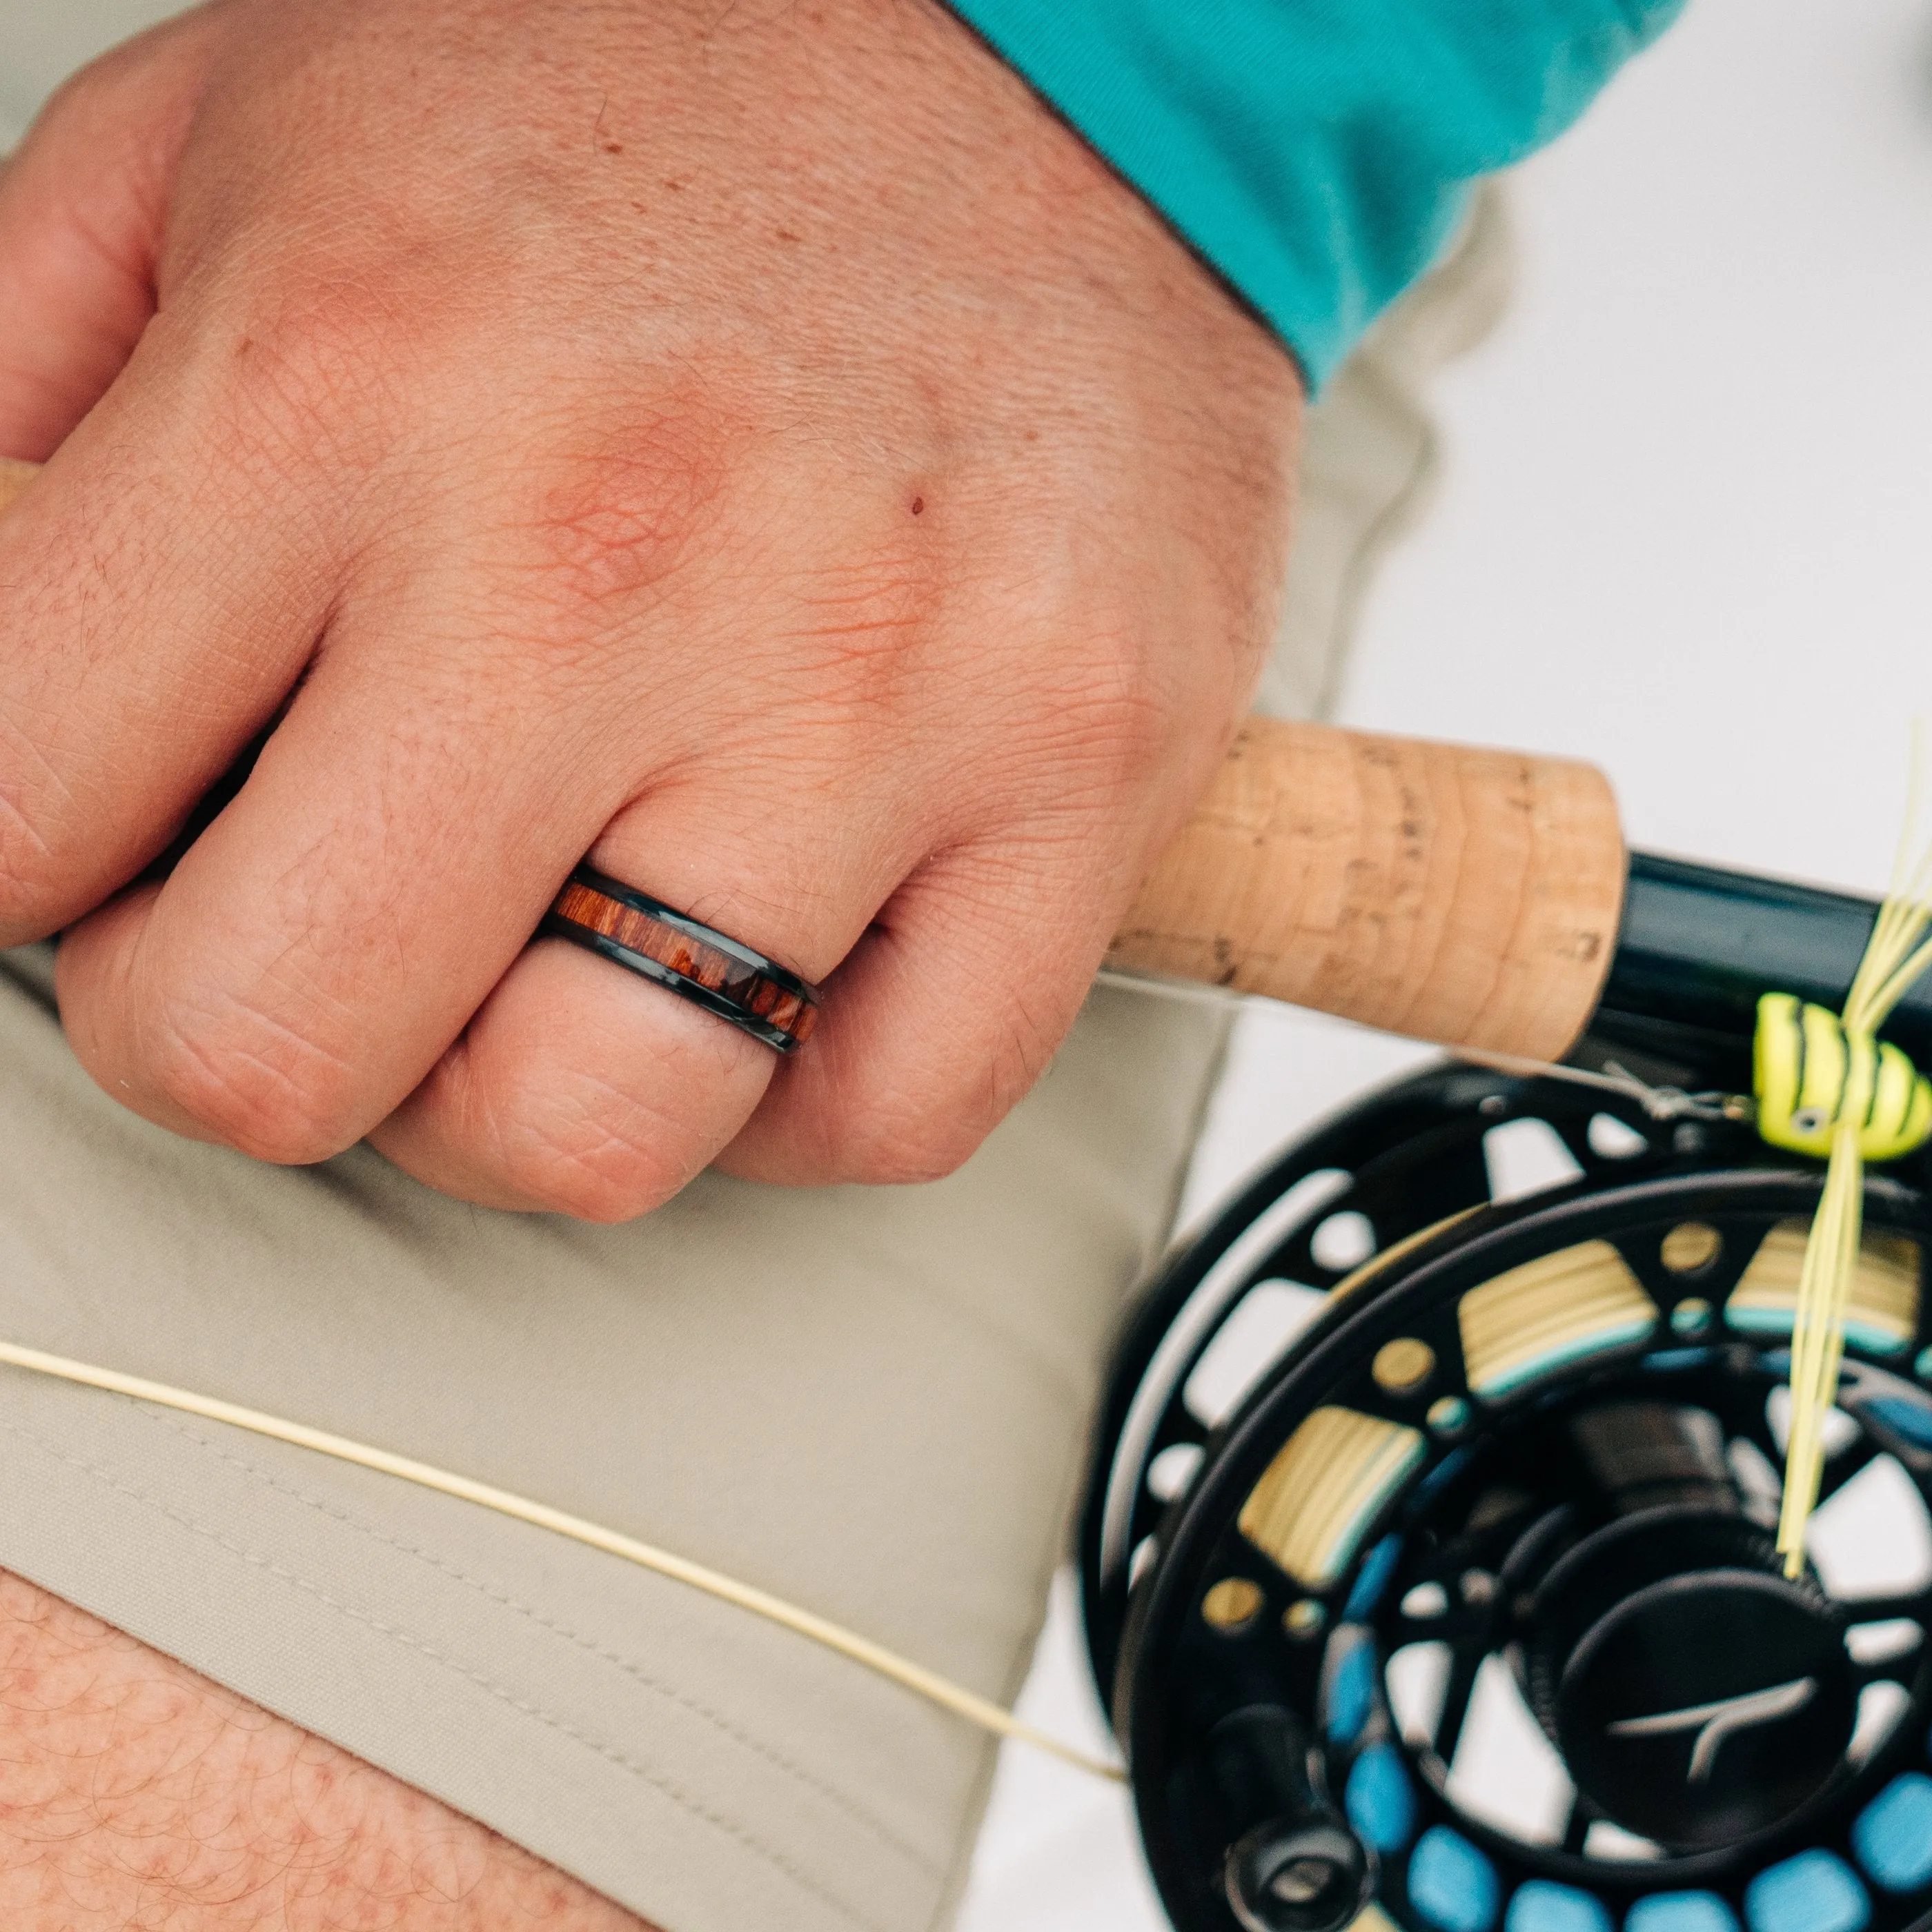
(673, 950)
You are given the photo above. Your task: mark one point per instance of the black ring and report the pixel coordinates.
(695, 961)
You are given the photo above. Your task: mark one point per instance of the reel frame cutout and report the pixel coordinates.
(1406, 1157)
(1430, 1399)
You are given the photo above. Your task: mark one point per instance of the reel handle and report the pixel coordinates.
(1466, 896)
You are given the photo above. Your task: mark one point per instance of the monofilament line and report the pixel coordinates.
(860, 1650)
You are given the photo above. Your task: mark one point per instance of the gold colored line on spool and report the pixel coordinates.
(1378, 1264)
(1558, 1309)
(1882, 1311)
(1328, 1484)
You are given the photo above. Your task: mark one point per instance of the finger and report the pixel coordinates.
(583, 1089)
(324, 939)
(82, 209)
(942, 1018)
(159, 593)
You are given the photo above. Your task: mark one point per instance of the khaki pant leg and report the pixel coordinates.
(871, 1401)
(1369, 455)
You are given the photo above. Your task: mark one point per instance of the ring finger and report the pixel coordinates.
(585, 1089)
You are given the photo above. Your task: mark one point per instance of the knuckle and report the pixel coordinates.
(47, 862)
(607, 522)
(861, 610)
(253, 1083)
(580, 1162)
(85, 102)
(905, 1145)
(305, 379)
(909, 1163)
(1104, 719)
(1121, 716)
(316, 356)
(607, 1186)
(925, 1119)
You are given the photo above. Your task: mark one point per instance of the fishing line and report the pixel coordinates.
(848, 1644)
(1825, 1085)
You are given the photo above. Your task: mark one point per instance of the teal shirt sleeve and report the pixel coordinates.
(1318, 153)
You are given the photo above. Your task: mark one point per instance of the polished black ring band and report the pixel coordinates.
(697, 963)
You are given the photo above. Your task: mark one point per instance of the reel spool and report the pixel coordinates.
(1428, 1564)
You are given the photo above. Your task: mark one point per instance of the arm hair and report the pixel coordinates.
(138, 1796)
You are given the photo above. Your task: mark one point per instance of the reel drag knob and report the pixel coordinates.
(1296, 1866)
(1699, 1696)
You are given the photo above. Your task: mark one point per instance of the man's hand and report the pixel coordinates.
(757, 446)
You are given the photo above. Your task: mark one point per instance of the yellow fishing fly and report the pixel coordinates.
(1827, 1087)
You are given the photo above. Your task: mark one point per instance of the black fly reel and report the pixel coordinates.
(1428, 1560)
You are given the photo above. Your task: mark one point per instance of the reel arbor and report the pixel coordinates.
(1428, 1562)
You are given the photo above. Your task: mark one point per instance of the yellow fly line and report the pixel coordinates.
(1826, 1086)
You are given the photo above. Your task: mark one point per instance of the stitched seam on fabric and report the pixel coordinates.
(495, 1594)
(501, 1692)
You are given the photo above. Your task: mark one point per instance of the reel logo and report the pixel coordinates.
(1716, 1755)
(1714, 1723)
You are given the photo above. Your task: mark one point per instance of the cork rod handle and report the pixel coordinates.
(1470, 897)
(1449, 893)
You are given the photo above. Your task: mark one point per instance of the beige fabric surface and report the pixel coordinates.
(869, 1401)
(1369, 455)
(874, 1402)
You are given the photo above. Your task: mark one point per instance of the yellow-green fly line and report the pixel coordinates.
(1826, 1086)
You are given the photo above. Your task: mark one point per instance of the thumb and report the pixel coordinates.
(82, 205)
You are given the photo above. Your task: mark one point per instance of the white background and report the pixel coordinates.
(1685, 531)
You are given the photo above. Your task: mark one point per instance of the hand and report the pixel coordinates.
(757, 446)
